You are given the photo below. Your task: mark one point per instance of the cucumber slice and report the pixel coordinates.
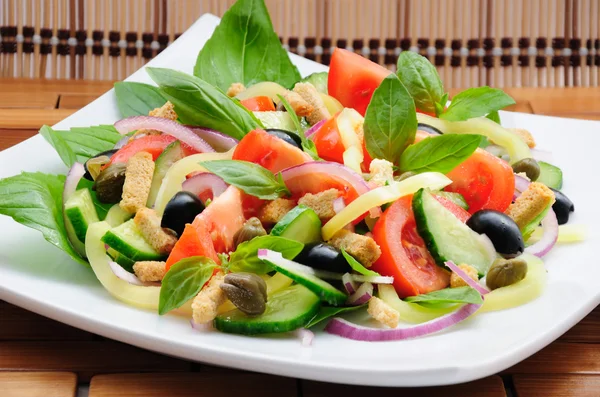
(128, 240)
(81, 212)
(456, 198)
(121, 259)
(286, 310)
(550, 175)
(446, 237)
(319, 80)
(117, 216)
(277, 119)
(172, 154)
(301, 224)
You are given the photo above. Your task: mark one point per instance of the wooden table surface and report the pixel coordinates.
(40, 357)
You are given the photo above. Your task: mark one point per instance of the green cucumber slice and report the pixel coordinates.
(550, 175)
(277, 119)
(301, 224)
(81, 212)
(172, 154)
(319, 80)
(446, 237)
(456, 198)
(121, 259)
(128, 240)
(286, 310)
(528, 229)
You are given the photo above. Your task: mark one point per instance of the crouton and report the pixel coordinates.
(273, 211)
(456, 281)
(383, 313)
(382, 172)
(321, 203)
(310, 94)
(166, 111)
(138, 179)
(148, 222)
(530, 204)
(206, 304)
(149, 271)
(300, 106)
(363, 248)
(524, 135)
(235, 89)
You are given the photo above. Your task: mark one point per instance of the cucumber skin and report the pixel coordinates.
(78, 222)
(122, 260)
(421, 221)
(550, 175)
(115, 242)
(291, 218)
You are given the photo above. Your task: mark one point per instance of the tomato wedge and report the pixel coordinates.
(192, 242)
(328, 142)
(353, 78)
(153, 144)
(259, 104)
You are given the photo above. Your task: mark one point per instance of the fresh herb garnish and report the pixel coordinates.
(245, 258)
(390, 121)
(307, 145)
(199, 103)
(135, 99)
(357, 266)
(183, 281)
(326, 312)
(439, 154)
(244, 48)
(494, 116)
(249, 177)
(422, 81)
(448, 295)
(476, 102)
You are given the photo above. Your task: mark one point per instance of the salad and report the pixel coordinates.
(255, 201)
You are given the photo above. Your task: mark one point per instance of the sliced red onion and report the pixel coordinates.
(203, 184)
(73, 177)
(218, 141)
(521, 183)
(362, 295)
(346, 329)
(349, 284)
(542, 155)
(314, 128)
(201, 327)
(472, 283)
(338, 205)
(166, 126)
(129, 277)
(549, 238)
(306, 336)
(308, 170)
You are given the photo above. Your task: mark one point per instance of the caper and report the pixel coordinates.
(405, 175)
(529, 166)
(247, 291)
(252, 228)
(109, 184)
(505, 272)
(93, 166)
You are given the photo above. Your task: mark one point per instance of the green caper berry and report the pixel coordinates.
(506, 272)
(529, 166)
(247, 291)
(252, 228)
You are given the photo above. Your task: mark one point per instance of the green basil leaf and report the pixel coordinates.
(309, 147)
(81, 143)
(293, 116)
(183, 281)
(136, 99)
(244, 48)
(476, 102)
(448, 295)
(421, 80)
(34, 199)
(439, 154)
(357, 266)
(494, 116)
(326, 312)
(390, 121)
(249, 177)
(245, 258)
(199, 103)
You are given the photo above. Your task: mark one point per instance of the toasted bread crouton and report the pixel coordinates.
(300, 106)
(363, 248)
(206, 304)
(530, 204)
(524, 135)
(456, 281)
(166, 111)
(310, 94)
(149, 271)
(138, 179)
(148, 222)
(321, 203)
(235, 89)
(274, 210)
(383, 313)
(382, 172)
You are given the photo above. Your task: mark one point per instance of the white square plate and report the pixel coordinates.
(40, 278)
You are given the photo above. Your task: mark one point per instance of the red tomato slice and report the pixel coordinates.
(259, 104)
(153, 144)
(271, 152)
(353, 78)
(328, 142)
(194, 241)
(485, 181)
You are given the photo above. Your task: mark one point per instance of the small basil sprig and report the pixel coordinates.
(249, 177)
(439, 154)
(494, 116)
(183, 281)
(422, 81)
(476, 102)
(245, 258)
(326, 312)
(390, 121)
(135, 99)
(448, 295)
(307, 145)
(357, 266)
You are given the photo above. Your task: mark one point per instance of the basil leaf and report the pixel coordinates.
(439, 154)
(199, 103)
(34, 199)
(244, 48)
(245, 258)
(326, 312)
(476, 102)
(293, 116)
(357, 266)
(309, 147)
(448, 295)
(249, 177)
(81, 143)
(135, 99)
(421, 80)
(183, 281)
(390, 121)
(494, 116)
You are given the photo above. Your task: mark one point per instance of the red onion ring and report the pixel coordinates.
(129, 277)
(362, 295)
(521, 184)
(218, 141)
(472, 283)
(203, 183)
(73, 177)
(349, 284)
(329, 168)
(314, 128)
(306, 336)
(338, 205)
(166, 126)
(201, 327)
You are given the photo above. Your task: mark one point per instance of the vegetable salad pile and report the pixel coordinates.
(256, 201)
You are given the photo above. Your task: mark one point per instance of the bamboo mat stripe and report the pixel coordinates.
(504, 43)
